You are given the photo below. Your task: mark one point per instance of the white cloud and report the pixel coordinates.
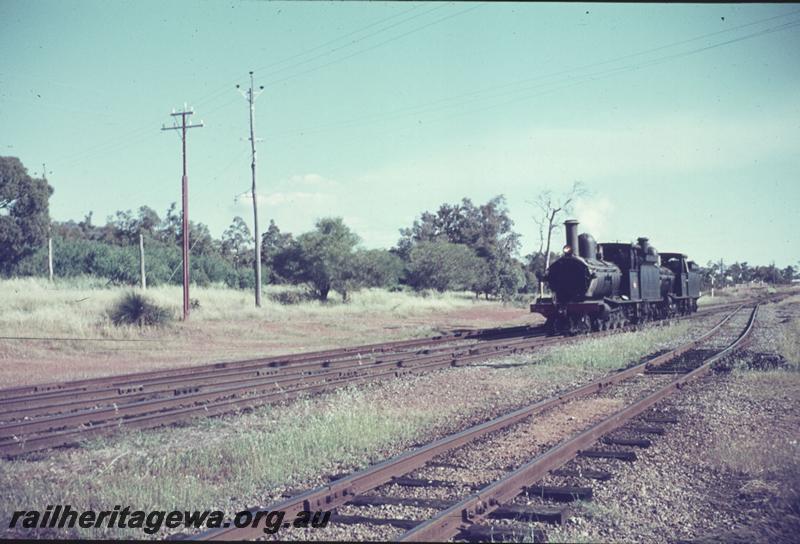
(281, 199)
(594, 213)
(311, 180)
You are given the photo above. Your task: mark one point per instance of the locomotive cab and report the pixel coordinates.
(686, 285)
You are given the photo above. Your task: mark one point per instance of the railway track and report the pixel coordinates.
(58, 414)
(417, 505)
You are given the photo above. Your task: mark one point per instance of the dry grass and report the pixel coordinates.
(788, 342)
(78, 307)
(226, 326)
(729, 294)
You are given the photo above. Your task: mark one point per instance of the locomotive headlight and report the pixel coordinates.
(567, 249)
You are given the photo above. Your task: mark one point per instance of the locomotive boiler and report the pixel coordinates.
(603, 286)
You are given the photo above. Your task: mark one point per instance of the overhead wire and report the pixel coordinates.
(585, 78)
(479, 94)
(138, 135)
(224, 88)
(504, 89)
(353, 42)
(119, 141)
(366, 50)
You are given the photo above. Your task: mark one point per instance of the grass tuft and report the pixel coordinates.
(788, 342)
(136, 309)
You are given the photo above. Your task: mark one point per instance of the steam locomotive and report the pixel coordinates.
(605, 286)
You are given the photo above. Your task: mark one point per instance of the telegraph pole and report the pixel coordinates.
(142, 275)
(183, 127)
(49, 234)
(250, 95)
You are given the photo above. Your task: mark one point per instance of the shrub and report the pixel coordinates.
(136, 309)
(376, 268)
(443, 266)
(289, 297)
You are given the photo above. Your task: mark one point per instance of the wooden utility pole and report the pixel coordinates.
(50, 256)
(49, 234)
(141, 262)
(251, 96)
(183, 127)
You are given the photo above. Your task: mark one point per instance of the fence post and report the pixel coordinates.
(50, 256)
(141, 262)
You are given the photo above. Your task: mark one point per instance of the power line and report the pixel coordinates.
(378, 32)
(139, 135)
(578, 80)
(633, 67)
(143, 133)
(453, 100)
(222, 90)
(380, 44)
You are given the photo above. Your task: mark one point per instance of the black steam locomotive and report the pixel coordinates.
(605, 286)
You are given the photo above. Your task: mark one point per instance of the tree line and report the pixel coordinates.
(462, 246)
(459, 247)
(743, 274)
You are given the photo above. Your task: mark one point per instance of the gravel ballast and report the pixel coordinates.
(728, 471)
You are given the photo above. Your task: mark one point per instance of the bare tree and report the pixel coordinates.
(551, 207)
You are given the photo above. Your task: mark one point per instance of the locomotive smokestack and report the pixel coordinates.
(571, 226)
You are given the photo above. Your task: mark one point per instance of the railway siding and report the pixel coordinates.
(62, 414)
(452, 520)
(371, 424)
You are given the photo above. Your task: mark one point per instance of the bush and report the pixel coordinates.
(136, 309)
(376, 268)
(443, 266)
(289, 297)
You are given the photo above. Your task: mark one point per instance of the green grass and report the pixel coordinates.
(271, 447)
(606, 353)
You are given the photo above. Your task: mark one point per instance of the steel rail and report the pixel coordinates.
(276, 360)
(124, 391)
(133, 380)
(477, 507)
(341, 491)
(27, 406)
(15, 439)
(19, 437)
(280, 384)
(240, 382)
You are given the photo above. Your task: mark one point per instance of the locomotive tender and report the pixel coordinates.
(605, 286)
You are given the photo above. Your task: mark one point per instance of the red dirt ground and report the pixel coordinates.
(29, 362)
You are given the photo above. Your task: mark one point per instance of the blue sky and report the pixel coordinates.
(683, 120)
